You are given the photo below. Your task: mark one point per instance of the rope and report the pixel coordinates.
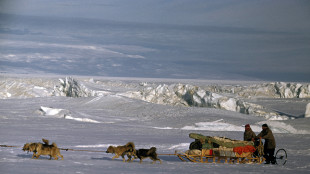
(8, 146)
(61, 149)
(66, 149)
(82, 150)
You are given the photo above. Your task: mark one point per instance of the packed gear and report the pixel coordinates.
(212, 149)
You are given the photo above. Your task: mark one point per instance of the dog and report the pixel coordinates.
(43, 149)
(128, 149)
(148, 153)
(30, 147)
(51, 150)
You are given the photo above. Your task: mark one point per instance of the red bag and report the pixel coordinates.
(242, 149)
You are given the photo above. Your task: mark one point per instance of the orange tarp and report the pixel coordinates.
(242, 149)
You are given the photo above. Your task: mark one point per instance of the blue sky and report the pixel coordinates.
(198, 39)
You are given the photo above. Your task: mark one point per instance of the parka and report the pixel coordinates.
(270, 142)
(248, 135)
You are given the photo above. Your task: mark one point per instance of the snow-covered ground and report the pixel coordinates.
(91, 113)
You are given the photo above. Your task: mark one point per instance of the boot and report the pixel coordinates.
(267, 159)
(273, 160)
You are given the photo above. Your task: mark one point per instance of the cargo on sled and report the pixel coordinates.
(207, 149)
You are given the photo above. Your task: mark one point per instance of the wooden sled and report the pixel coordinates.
(244, 158)
(222, 156)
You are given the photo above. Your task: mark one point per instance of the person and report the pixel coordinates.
(195, 145)
(270, 143)
(248, 135)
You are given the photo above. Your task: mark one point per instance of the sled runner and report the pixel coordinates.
(281, 158)
(244, 158)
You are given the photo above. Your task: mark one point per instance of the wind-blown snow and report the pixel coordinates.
(63, 113)
(221, 125)
(214, 126)
(82, 119)
(280, 127)
(180, 146)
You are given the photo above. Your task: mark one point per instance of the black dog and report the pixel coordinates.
(148, 153)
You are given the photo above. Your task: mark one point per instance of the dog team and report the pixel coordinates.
(120, 151)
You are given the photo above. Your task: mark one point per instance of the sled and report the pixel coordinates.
(225, 154)
(228, 151)
(242, 159)
(280, 157)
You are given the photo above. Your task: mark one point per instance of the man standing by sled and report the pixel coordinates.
(270, 144)
(248, 135)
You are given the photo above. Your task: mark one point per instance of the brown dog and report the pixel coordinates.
(128, 149)
(51, 150)
(43, 149)
(30, 147)
(148, 153)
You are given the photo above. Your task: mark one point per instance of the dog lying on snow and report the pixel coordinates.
(128, 149)
(148, 153)
(43, 149)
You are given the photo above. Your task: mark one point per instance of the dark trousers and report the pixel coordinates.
(269, 155)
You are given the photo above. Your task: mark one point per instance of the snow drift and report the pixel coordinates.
(226, 97)
(189, 95)
(62, 113)
(59, 113)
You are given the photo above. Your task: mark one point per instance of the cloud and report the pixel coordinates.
(116, 65)
(177, 38)
(276, 15)
(41, 50)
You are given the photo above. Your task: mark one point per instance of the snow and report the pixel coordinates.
(307, 113)
(63, 113)
(100, 112)
(214, 126)
(54, 112)
(227, 97)
(82, 119)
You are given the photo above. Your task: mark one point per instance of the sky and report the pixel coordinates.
(194, 39)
